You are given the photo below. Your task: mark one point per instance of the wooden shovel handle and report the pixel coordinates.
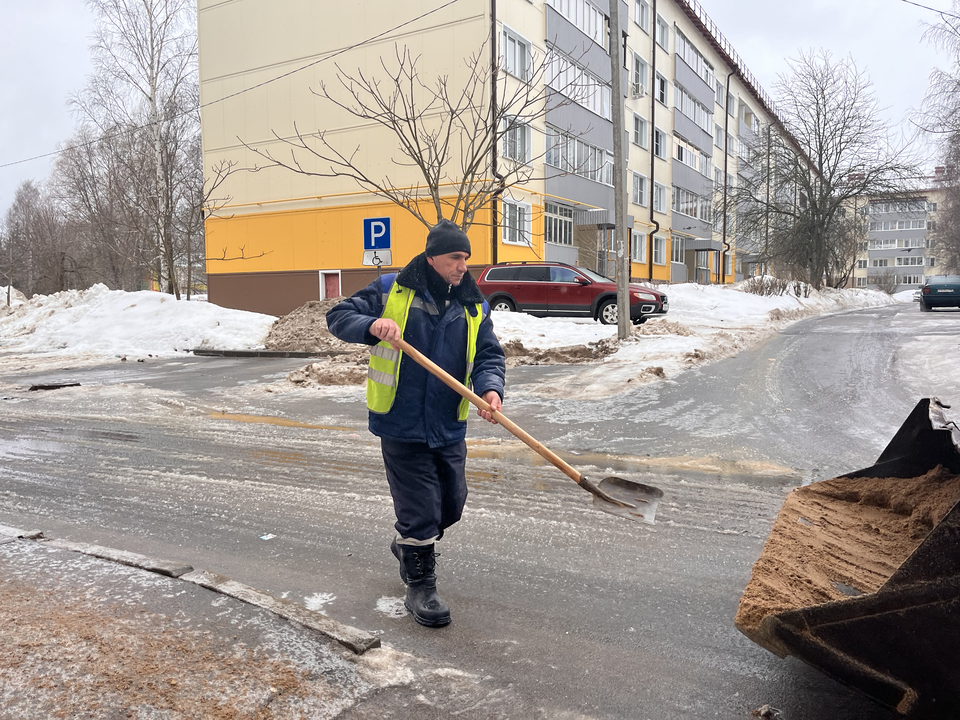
(466, 392)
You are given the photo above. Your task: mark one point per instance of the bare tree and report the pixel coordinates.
(801, 183)
(141, 99)
(447, 134)
(942, 119)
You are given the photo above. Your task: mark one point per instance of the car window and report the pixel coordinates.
(563, 274)
(503, 273)
(534, 273)
(943, 280)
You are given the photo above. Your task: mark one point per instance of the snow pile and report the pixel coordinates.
(16, 297)
(704, 323)
(100, 321)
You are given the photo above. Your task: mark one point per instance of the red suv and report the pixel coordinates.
(551, 289)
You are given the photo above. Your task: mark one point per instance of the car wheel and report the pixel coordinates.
(503, 305)
(608, 313)
(924, 307)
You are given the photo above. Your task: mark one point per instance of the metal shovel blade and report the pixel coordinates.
(624, 498)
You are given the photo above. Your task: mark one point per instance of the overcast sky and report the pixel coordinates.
(44, 57)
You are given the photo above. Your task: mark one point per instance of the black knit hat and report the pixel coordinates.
(446, 237)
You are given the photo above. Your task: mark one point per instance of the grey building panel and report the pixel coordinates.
(561, 253)
(701, 231)
(579, 121)
(691, 132)
(746, 132)
(694, 85)
(678, 273)
(573, 43)
(574, 187)
(687, 177)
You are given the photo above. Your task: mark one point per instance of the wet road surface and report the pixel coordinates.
(577, 612)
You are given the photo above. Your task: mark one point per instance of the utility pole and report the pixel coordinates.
(619, 173)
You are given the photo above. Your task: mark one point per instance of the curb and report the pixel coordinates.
(204, 352)
(352, 638)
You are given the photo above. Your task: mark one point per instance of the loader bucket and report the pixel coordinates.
(860, 576)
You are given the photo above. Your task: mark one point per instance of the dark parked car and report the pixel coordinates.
(940, 291)
(551, 289)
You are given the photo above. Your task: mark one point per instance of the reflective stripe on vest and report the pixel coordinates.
(384, 369)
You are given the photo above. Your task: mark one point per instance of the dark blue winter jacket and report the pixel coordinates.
(425, 410)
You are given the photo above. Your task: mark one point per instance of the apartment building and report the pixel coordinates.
(277, 239)
(898, 253)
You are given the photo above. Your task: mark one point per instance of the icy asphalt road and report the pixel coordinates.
(565, 612)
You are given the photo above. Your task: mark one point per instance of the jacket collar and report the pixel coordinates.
(414, 276)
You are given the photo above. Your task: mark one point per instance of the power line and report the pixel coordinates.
(137, 129)
(942, 13)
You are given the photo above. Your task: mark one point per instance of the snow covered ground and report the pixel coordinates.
(704, 323)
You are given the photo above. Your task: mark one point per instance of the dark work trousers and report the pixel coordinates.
(428, 485)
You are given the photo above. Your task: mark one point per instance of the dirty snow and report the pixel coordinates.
(704, 323)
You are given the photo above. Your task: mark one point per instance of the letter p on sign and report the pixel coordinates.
(376, 233)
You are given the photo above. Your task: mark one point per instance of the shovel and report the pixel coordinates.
(614, 495)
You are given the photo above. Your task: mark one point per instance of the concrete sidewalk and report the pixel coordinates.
(86, 636)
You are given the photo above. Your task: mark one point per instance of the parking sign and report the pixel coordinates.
(376, 233)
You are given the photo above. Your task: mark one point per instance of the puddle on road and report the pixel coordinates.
(21, 448)
(270, 420)
(626, 463)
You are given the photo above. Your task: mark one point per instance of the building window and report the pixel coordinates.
(639, 194)
(676, 250)
(861, 282)
(718, 178)
(516, 140)
(640, 131)
(581, 86)
(880, 262)
(659, 197)
(911, 261)
(639, 76)
(585, 16)
(516, 223)
(638, 248)
(726, 263)
(660, 144)
(861, 264)
(516, 54)
(558, 224)
(910, 279)
(663, 34)
(641, 14)
(692, 57)
(719, 93)
(691, 156)
(571, 154)
(685, 103)
(687, 202)
(718, 136)
(931, 207)
(660, 88)
(659, 250)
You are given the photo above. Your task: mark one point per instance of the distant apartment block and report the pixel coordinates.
(899, 252)
(691, 109)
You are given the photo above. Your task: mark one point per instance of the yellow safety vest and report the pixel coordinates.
(384, 369)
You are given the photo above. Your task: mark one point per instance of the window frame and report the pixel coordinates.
(659, 198)
(659, 248)
(642, 193)
(507, 34)
(662, 33)
(505, 227)
(642, 133)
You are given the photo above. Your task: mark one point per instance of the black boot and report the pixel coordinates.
(418, 569)
(395, 549)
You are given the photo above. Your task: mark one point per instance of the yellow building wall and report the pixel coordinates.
(331, 238)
